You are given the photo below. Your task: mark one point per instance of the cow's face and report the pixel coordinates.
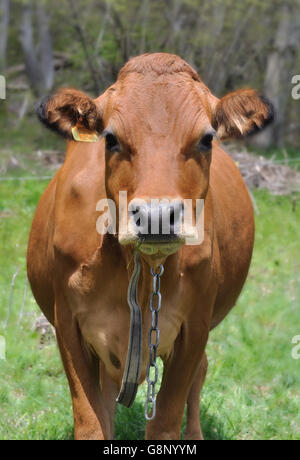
(159, 122)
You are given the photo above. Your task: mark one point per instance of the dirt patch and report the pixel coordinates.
(260, 172)
(51, 159)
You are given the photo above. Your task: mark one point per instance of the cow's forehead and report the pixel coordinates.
(157, 64)
(159, 105)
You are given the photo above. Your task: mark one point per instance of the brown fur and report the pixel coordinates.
(241, 113)
(159, 110)
(158, 64)
(62, 111)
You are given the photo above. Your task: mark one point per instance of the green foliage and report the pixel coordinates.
(228, 43)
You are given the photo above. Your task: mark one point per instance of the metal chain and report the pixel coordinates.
(155, 305)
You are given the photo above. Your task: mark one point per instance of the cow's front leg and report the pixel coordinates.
(193, 427)
(110, 392)
(179, 373)
(91, 420)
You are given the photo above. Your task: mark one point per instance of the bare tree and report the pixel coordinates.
(231, 44)
(45, 51)
(145, 7)
(81, 34)
(38, 59)
(276, 77)
(233, 51)
(4, 21)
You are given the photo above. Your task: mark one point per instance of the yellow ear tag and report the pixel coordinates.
(82, 134)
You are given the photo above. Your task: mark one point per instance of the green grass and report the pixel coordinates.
(24, 141)
(252, 387)
(34, 401)
(253, 382)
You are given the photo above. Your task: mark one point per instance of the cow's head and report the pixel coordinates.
(159, 122)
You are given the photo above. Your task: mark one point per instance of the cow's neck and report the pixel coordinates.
(146, 279)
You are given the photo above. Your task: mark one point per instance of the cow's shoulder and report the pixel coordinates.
(80, 186)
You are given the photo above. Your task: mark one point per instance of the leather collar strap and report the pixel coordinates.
(132, 369)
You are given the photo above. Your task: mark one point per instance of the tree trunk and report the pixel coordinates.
(39, 62)
(222, 69)
(277, 69)
(144, 22)
(217, 25)
(45, 51)
(82, 38)
(175, 21)
(4, 21)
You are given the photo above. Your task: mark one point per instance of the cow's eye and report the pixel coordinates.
(206, 142)
(111, 142)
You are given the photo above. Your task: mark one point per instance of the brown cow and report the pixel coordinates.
(158, 123)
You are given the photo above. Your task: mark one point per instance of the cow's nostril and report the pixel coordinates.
(133, 212)
(175, 218)
(140, 217)
(172, 217)
(159, 220)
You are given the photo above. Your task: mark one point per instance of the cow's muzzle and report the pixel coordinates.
(161, 227)
(156, 226)
(156, 222)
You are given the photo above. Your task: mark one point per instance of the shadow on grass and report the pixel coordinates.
(130, 424)
(213, 427)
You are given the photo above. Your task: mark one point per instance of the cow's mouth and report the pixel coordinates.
(155, 245)
(160, 248)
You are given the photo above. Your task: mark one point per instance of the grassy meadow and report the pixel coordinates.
(252, 390)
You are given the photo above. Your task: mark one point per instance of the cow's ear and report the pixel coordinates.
(68, 108)
(241, 113)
